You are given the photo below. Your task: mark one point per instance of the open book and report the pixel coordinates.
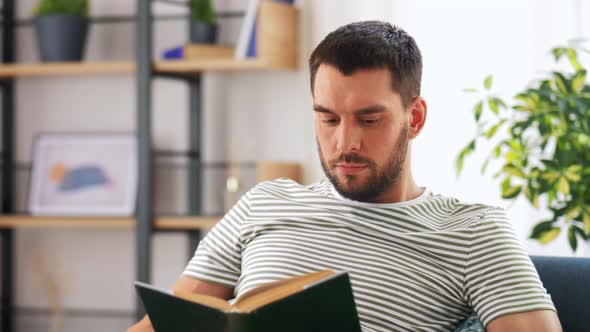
(319, 301)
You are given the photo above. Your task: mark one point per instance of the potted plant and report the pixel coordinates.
(203, 26)
(546, 155)
(61, 27)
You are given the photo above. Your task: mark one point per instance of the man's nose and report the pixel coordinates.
(349, 138)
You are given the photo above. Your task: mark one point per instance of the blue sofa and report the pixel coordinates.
(567, 279)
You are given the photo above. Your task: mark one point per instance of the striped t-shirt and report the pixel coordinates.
(418, 265)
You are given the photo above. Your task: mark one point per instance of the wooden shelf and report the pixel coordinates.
(161, 223)
(65, 68)
(196, 66)
(185, 223)
(163, 67)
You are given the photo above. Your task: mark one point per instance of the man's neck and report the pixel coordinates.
(401, 191)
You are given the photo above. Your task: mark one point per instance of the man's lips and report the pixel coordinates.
(350, 168)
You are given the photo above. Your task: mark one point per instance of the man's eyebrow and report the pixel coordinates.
(363, 111)
(322, 109)
(371, 110)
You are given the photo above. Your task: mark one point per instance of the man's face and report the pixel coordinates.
(362, 131)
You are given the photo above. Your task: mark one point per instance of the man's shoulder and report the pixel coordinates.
(465, 212)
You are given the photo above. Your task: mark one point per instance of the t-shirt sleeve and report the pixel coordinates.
(218, 257)
(500, 278)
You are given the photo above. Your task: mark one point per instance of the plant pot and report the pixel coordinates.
(61, 37)
(202, 33)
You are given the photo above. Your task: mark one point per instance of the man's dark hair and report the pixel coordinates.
(372, 45)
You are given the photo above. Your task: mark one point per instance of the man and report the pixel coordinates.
(418, 261)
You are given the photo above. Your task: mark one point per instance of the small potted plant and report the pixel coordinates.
(203, 26)
(61, 27)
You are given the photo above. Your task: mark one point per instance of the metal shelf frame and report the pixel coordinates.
(8, 171)
(145, 75)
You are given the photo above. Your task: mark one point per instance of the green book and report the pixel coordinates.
(319, 301)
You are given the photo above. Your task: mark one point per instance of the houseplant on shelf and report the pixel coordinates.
(61, 27)
(546, 155)
(203, 26)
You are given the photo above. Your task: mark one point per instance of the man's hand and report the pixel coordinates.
(533, 321)
(188, 285)
(144, 325)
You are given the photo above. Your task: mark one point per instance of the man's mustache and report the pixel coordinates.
(351, 158)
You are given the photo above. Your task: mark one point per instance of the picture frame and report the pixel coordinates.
(84, 175)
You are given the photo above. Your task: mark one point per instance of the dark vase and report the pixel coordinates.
(61, 37)
(202, 33)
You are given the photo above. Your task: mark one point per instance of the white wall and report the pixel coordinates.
(268, 116)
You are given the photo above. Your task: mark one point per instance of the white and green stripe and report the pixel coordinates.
(420, 265)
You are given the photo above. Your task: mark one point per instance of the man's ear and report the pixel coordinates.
(417, 117)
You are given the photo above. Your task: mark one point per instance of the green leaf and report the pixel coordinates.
(499, 102)
(549, 235)
(492, 131)
(461, 157)
(477, 110)
(515, 145)
(202, 11)
(560, 82)
(497, 151)
(563, 186)
(587, 221)
(513, 171)
(580, 232)
(550, 176)
(558, 52)
(572, 55)
(573, 213)
(575, 168)
(471, 90)
(61, 7)
(550, 163)
(578, 81)
(551, 196)
(511, 157)
(487, 83)
(485, 165)
(541, 228)
(571, 235)
(511, 192)
(572, 173)
(527, 99)
(493, 106)
(532, 196)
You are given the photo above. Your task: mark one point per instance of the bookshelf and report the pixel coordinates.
(121, 67)
(277, 49)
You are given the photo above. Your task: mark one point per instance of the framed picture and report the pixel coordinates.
(84, 175)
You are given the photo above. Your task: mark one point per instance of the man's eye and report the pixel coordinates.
(330, 121)
(370, 122)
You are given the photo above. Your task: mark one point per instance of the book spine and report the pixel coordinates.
(247, 29)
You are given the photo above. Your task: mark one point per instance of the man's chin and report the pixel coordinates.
(351, 184)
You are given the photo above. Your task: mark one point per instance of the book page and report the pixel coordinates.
(274, 291)
(210, 301)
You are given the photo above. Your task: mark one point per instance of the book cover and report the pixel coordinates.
(321, 301)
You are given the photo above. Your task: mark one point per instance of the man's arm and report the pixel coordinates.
(188, 285)
(531, 321)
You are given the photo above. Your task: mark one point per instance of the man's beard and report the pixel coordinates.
(379, 181)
